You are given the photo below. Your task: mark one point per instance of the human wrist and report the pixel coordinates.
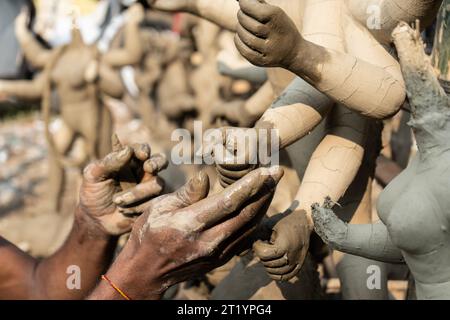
(84, 221)
(126, 274)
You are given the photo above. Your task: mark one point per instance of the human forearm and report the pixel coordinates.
(127, 278)
(87, 249)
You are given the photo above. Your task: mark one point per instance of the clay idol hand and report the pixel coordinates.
(126, 177)
(186, 234)
(266, 36)
(284, 254)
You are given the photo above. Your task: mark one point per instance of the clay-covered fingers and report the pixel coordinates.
(246, 51)
(233, 232)
(250, 40)
(142, 151)
(155, 164)
(259, 10)
(140, 193)
(253, 26)
(267, 252)
(214, 209)
(194, 190)
(109, 166)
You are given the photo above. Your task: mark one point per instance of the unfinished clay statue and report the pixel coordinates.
(336, 66)
(300, 92)
(414, 208)
(80, 75)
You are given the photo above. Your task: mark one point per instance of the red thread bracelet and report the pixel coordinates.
(123, 294)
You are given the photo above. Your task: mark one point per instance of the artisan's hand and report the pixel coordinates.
(283, 257)
(185, 234)
(173, 5)
(266, 36)
(112, 182)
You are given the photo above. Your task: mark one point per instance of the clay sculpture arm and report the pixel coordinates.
(386, 14)
(34, 52)
(221, 12)
(331, 170)
(252, 74)
(133, 50)
(371, 241)
(186, 234)
(298, 110)
(89, 248)
(267, 37)
(29, 90)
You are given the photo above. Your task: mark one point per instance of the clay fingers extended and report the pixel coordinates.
(108, 166)
(253, 26)
(257, 9)
(252, 41)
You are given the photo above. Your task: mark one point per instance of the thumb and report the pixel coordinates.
(196, 189)
(193, 191)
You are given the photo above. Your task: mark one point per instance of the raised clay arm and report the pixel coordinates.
(267, 37)
(371, 241)
(30, 90)
(132, 51)
(296, 112)
(335, 162)
(250, 73)
(34, 52)
(221, 12)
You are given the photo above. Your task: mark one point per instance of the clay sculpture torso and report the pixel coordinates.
(418, 222)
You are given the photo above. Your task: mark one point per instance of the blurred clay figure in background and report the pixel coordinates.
(80, 75)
